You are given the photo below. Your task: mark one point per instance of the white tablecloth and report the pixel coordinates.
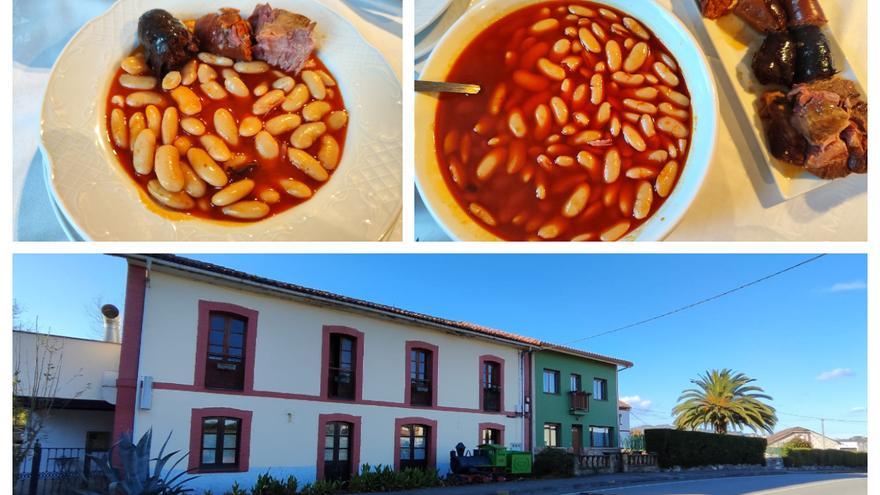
(730, 206)
(40, 31)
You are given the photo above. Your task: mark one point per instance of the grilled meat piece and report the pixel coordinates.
(775, 61)
(767, 16)
(805, 13)
(786, 143)
(282, 38)
(167, 43)
(813, 55)
(844, 88)
(857, 144)
(225, 34)
(818, 116)
(713, 9)
(828, 162)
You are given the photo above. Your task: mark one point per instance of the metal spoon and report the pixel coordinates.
(446, 87)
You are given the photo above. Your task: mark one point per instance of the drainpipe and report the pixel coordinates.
(111, 323)
(617, 402)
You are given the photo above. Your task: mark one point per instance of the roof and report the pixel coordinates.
(287, 288)
(623, 405)
(779, 435)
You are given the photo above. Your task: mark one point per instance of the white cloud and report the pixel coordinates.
(835, 373)
(855, 410)
(636, 401)
(848, 286)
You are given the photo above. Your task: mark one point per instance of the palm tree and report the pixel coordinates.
(724, 398)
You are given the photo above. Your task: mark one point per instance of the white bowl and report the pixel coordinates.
(439, 200)
(361, 201)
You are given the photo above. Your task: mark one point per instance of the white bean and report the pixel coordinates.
(285, 84)
(249, 126)
(615, 232)
(644, 199)
(666, 179)
(193, 126)
(267, 102)
(134, 65)
(316, 110)
(283, 123)
(306, 135)
(236, 86)
(210, 58)
(577, 201)
(637, 57)
(612, 166)
(666, 74)
(137, 82)
(589, 41)
(233, 192)
(247, 210)
(154, 119)
(267, 146)
(336, 120)
(139, 99)
(517, 123)
(482, 213)
(213, 90)
(636, 28)
(296, 188)
(305, 162)
(613, 55)
(143, 149)
(206, 168)
(672, 127)
(315, 84)
(169, 125)
(597, 89)
(166, 164)
(119, 128)
(633, 138)
(550, 69)
(175, 200)
(171, 80)
(490, 163)
(328, 153)
(206, 73)
(136, 124)
(254, 67)
(187, 101)
(192, 183)
(269, 196)
(189, 72)
(216, 147)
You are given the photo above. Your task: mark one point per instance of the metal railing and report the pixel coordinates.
(57, 471)
(579, 401)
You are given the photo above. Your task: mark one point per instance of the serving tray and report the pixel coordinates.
(735, 44)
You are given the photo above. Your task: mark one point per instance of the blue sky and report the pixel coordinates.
(802, 335)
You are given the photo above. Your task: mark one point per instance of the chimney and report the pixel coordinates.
(111, 323)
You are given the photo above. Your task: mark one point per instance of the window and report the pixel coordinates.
(490, 436)
(337, 450)
(575, 382)
(600, 436)
(220, 442)
(551, 382)
(414, 446)
(491, 383)
(420, 374)
(600, 389)
(551, 434)
(224, 367)
(342, 367)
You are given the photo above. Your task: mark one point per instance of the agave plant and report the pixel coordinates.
(724, 399)
(135, 476)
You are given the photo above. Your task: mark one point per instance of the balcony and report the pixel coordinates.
(579, 402)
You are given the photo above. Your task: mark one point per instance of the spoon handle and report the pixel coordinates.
(446, 87)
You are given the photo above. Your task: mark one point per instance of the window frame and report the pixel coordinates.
(490, 426)
(358, 355)
(610, 436)
(431, 453)
(553, 427)
(219, 445)
(556, 380)
(433, 371)
(572, 377)
(488, 358)
(354, 438)
(604, 388)
(251, 316)
(197, 417)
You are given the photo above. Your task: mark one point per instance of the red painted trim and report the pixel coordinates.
(432, 439)
(358, 366)
(317, 398)
(129, 353)
(204, 330)
(435, 360)
(495, 426)
(323, 419)
(500, 361)
(195, 437)
(527, 393)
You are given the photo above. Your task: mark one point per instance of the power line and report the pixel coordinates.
(701, 301)
(817, 418)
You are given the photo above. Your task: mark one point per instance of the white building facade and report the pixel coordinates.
(251, 376)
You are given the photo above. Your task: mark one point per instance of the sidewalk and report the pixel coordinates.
(583, 483)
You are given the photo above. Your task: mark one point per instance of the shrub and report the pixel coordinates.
(795, 443)
(828, 457)
(694, 448)
(554, 462)
(323, 488)
(269, 485)
(385, 478)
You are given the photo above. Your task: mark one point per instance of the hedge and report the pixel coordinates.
(555, 463)
(693, 448)
(828, 457)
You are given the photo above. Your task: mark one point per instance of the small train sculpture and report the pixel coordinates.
(488, 462)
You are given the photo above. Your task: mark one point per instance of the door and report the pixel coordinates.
(414, 440)
(577, 438)
(337, 450)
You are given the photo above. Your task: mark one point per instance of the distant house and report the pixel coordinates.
(854, 444)
(817, 440)
(623, 422)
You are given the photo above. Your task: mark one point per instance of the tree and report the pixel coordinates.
(722, 400)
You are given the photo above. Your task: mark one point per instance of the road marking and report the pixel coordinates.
(664, 483)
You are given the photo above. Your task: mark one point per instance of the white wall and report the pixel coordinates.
(67, 428)
(288, 360)
(81, 363)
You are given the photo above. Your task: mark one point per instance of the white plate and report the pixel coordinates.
(426, 40)
(427, 11)
(736, 43)
(360, 201)
(459, 225)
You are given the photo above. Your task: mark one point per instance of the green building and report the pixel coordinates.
(575, 399)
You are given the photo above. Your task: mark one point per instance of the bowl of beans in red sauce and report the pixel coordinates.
(595, 121)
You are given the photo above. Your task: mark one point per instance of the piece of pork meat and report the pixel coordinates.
(767, 16)
(817, 115)
(813, 55)
(282, 38)
(846, 89)
(828, 162)
(225, 34)
(805, 13)
(786, 143)
(713, 9)
(167, 43)
(775, 61)
(857, 145)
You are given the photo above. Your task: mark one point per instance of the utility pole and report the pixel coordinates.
(823, 432)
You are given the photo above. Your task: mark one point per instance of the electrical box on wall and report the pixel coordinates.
(145, 397)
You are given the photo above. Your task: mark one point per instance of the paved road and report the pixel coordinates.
(788, 484)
